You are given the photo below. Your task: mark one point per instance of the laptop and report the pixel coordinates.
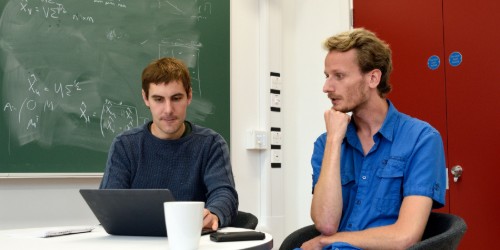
(135, 212)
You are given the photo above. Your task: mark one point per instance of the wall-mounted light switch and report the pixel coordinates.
(257, 139)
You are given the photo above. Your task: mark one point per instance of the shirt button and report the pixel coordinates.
(358, 202)
(350, 225)
(363, 177)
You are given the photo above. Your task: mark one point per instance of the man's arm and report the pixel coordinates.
(406, 231)
(222, 198)
(326, 206)
(117, 173)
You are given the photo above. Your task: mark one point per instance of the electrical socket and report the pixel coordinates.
(276, 156)
(276, 138)
(275, 100)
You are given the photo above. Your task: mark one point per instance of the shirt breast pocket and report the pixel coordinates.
(348, 188)
(390, 186)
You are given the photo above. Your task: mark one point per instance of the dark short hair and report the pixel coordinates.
(165, 70)
(372, 53)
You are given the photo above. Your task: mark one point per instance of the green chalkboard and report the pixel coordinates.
(70, 74)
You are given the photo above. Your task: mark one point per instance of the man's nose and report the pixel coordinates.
(168, 107)
(328, 86)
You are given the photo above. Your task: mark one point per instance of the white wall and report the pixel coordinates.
(307, 26)
(44, 202)
(284, 36)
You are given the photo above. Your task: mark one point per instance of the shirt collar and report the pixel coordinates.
(387, 129)
(389, 125)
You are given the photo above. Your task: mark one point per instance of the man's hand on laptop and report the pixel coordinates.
(210, 220)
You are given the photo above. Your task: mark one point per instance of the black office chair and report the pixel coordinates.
(245, 220)
(299, 236)
(442, 232)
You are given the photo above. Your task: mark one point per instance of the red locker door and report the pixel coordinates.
(414, 31)
(473, 91)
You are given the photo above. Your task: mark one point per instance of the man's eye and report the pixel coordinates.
(339, 76)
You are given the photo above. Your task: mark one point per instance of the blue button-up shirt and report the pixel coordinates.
(406, 159)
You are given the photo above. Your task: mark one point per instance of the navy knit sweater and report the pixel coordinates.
(195, 167)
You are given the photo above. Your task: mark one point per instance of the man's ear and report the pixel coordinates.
(375, 76)
(190, 95)
(145, 98)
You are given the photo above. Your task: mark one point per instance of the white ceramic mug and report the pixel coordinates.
(184, 221)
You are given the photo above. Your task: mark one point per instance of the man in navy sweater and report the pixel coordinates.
(170, 152)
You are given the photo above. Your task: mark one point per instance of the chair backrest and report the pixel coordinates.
(245, 220)
(299, 236)
(443, 231)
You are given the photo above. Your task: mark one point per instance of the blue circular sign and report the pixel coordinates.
(433, 62)
(455, 59)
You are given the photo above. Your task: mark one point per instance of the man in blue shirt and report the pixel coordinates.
(170, 152)
(378, 173)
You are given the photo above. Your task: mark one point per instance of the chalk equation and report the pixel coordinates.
(117, 117)
(50, 9)
(34, 90)
(56, 9)
(46, 104)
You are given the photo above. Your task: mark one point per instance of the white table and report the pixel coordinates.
(22, 239)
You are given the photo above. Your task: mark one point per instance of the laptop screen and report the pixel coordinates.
(136, 212)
